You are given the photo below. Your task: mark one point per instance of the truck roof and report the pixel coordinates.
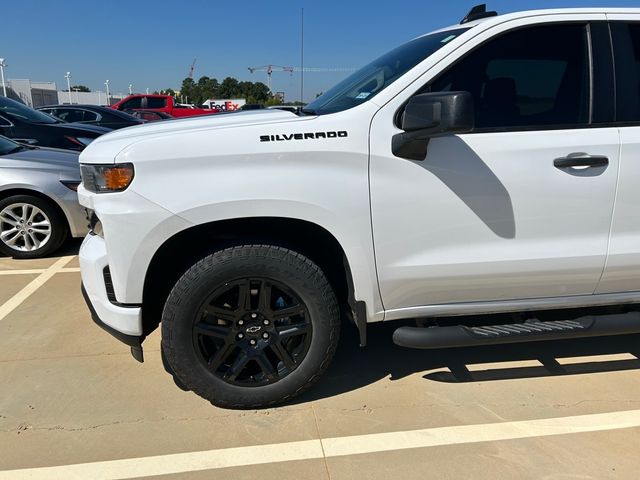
(497, 19)
(147, 95)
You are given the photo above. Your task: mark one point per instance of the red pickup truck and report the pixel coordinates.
(160, 103)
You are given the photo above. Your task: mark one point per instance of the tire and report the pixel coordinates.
(17, 240)
(219, 312)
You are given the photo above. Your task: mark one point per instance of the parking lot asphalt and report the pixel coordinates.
(74, 404)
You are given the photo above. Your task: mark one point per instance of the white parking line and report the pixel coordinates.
(37, 271)
(22, 272)
(330, 447)
(11, 304)
(69, 270)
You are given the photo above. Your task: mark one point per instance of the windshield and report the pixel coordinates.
(16, 110)
(8, 146)
(370, 80)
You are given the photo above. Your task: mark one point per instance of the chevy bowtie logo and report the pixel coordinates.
(254, 329)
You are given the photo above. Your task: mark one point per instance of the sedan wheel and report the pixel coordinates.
(29, 227)
(24, 227)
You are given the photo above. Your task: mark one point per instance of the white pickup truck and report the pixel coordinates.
(487, 167)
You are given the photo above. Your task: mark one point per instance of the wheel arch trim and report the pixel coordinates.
(362, 291)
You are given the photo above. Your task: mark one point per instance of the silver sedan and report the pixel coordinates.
(39, 206)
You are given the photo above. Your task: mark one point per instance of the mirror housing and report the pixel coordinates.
(431, 115)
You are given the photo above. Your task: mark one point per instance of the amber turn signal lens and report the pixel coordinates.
(118, 178)
(107, 178)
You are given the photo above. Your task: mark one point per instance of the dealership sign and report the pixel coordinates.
(225, 104)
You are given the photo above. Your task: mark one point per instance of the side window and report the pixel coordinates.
(626, 47)
(90, 116)
(532, 77)
(130, 104)
(4, 122)
(64, 114)
(150, 116)
(156, 102)
(70, 115)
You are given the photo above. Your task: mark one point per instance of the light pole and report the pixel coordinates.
(2, 65)
(68, 77)
(107, 85)
(130, 89)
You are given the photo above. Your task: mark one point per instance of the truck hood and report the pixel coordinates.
(166, 127)
(105, 148)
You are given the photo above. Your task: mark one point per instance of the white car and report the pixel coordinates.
(486, 167)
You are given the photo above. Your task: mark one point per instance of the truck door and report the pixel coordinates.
(499, 214)
(622, 273)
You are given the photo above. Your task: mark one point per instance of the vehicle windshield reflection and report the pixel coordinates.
(370, 80)
(18, 111)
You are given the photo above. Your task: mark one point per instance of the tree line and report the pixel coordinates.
(78, 88)
(206, 88)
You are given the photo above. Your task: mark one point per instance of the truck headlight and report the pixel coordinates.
(106, 178)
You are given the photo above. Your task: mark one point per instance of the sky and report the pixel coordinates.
(151, 44)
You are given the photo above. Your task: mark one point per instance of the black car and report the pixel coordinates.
(26, 125)
(92, 115)
(251, 106)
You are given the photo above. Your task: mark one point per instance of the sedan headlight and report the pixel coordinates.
(106, 178)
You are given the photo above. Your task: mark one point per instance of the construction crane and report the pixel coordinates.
(277, 68)
(193, 66)
(270, 69)
(322, 69)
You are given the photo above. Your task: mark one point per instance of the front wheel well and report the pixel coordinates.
(185, 248)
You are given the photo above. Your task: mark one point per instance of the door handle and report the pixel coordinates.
(582, 160)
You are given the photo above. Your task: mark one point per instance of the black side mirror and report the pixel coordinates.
(432, 115)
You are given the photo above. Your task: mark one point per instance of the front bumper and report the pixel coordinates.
(122, 321)
(134, 342)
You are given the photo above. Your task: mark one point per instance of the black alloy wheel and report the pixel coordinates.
(252, 331)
